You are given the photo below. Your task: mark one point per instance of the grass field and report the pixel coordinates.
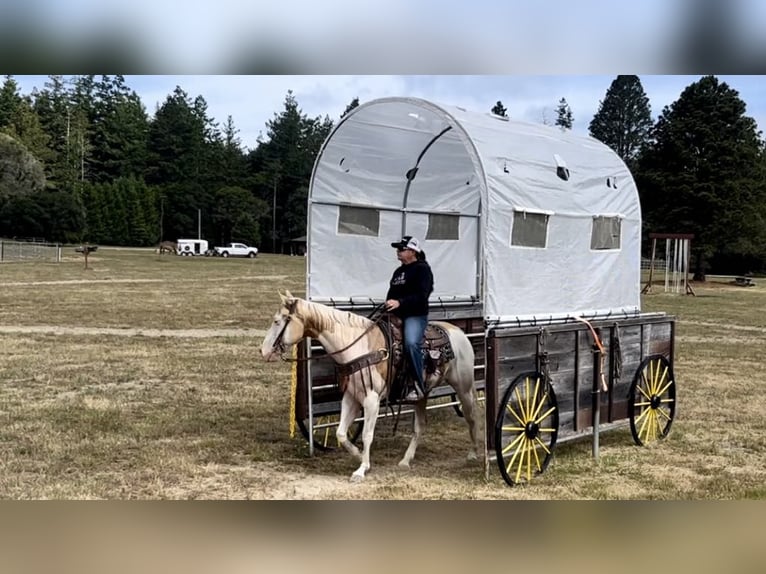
(142, 378)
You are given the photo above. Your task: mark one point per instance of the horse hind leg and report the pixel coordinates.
(465, 390)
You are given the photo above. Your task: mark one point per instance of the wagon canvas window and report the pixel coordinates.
(529, 229)
(605, 233)
(358, 221)
(443, 227)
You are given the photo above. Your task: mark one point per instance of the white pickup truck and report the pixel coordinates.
(235, 250)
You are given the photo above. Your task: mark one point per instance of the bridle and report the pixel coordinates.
(279, 344)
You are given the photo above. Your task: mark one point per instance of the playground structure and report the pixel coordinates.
(677, 257)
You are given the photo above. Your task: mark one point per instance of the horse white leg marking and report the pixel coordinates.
(468, 404)
(349, 410)
(461, 380)
(371, 407)
(419, 425)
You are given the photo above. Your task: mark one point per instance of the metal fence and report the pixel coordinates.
(659, 264)
(20, 251)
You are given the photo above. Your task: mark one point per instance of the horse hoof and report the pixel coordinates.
(471, 457)
(404, 465)
(355, 478)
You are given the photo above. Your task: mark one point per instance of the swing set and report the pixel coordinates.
(677, 255)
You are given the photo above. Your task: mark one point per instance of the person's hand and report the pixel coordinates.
(392, 304)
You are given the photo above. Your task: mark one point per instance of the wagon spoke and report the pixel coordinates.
(513, 443)
(520, 402)
(513, 429)
(547, 413)
(521, 461)
(530, 448)
(510, 409)
(648, 416)
(515, 454)
(543, 400)
(664, 414)
(665, 388)
(542, 444)
(660, 380)
(643, 414)
(641, 389)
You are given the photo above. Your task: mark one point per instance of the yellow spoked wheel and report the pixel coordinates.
(324, 431)
(526, 428)
(652, 403)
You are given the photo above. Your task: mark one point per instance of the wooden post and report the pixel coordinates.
(648, 287)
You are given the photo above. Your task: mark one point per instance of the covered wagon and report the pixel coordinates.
(534, 237)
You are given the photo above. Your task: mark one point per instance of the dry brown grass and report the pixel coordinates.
(178, 413)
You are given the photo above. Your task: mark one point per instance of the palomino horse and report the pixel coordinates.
(346, 337)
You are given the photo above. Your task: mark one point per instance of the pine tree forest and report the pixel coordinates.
(82, 160)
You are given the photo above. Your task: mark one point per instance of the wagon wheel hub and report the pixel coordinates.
(531, 429)
(655, 402)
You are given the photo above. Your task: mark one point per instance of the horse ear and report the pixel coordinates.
(289, 295)
(282, 297)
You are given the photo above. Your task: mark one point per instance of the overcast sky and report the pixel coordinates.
(253, 100)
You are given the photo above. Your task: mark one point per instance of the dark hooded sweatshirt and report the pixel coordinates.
(411, 285)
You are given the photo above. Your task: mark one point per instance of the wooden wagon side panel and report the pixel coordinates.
(507, 357)
(574, 365)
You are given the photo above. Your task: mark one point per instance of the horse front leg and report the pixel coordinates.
(349, 410)
(371, 407)
(419, 425)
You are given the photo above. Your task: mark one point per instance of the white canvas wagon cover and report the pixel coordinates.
(526, 220)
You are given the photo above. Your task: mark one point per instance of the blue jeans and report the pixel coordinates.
(414, 330)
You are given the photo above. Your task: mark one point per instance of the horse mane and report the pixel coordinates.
(324, 319)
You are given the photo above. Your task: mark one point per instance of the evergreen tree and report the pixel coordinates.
(353, 104)
(120, 130)
(231, 159)
(283, 164)
(236, 215)
(623, 120)
(705, 175)
(65, 120)
(564, 118)
(21, 174)
(499, 109)
(10, 99)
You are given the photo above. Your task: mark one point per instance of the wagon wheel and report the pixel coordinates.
(526, 428)
(652, 403)
(324, 438)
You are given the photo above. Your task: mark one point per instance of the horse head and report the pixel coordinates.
(285, 331)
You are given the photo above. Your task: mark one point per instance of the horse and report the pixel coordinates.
(169, 246)
(348, 337)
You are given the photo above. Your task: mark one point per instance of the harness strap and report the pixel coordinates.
(368, 360)
(600, 347)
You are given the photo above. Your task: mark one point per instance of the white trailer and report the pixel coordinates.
(190, 247)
